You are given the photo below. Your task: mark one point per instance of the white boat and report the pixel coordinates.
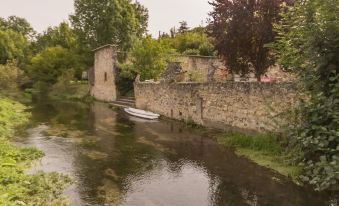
(142, 113)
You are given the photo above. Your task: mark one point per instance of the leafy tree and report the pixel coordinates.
(48, 65)
(191, 42)
(241, 28)
(183, 27)
(61, 35)
(108, 21)
(17, 24)
(148, 58)
(194, 43)
(13, 46)
(9, 75)
(308, 43)
(142, 16)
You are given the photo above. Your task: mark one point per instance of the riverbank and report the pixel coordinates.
(264, 149)
(17, 187)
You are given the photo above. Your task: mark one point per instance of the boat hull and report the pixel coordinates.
(142, 114)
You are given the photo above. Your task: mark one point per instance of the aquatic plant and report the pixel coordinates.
(17, 187)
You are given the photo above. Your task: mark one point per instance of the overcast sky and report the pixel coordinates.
(164, 14)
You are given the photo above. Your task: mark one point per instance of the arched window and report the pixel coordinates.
(105, 76)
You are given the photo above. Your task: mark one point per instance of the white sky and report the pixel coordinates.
(164, 14)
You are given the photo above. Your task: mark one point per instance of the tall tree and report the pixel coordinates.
(108, 22)
(13, 46)
(61, 35)
(142, 16)
(241, 29)
(17, 24)
(183, 27)
(148, 58)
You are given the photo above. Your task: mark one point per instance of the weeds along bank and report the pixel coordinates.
(17, 187)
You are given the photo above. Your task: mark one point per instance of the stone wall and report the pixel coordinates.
(203, 69)
(251, 106)
(103, 76)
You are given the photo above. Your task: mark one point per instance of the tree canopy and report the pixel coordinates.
(191, 42)
(51, 63)
(109, 22)
(241, 30)
(62, 35)
(13, 46)
(148, 58)
(17, 24)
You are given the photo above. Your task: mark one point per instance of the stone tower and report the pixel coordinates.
(103, 85)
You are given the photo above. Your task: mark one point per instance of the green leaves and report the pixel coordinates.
(13, 46)
(16, 187)
(308, 44)
(51, 63)
(109, 22)
(148, 58)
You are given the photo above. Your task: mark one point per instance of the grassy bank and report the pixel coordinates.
(264, 149)
(16, 187)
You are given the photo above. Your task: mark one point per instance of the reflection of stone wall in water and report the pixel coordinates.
(252, 106)
(102, 78)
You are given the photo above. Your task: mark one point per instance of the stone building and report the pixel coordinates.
(102, 77)
(202, 69)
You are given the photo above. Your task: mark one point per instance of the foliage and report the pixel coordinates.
(16, 187)
(13, 46)
(11, 115)
(191, 42)
(183, 27)
(18, 25)
(267, 143)
(142, 16)
(264, 148)
(308, 43)
(108, 22)
(241, 29)
(68, 89)
(148, 58)
(48, 65)
(9, 76)
(61, 35)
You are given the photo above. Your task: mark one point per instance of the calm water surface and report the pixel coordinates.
(116, 159)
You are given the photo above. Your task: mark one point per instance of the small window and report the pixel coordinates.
(105, 76)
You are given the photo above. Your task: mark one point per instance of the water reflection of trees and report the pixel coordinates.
(134, 149)
(240, 182)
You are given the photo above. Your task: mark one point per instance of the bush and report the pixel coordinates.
(308, 44)
(16, 187)
(10, 75)
(48, 65)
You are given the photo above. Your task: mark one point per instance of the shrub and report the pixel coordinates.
(308, 44)
(9, 75)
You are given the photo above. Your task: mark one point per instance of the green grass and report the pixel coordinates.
(264, 149)
(17, 187)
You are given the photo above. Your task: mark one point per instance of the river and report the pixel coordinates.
(116, 159)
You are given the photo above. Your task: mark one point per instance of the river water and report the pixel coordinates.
(116, 159)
